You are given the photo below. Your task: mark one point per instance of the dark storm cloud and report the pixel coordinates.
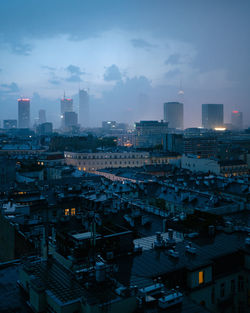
(75, 74)
(172, 73)
(208, 25)
(9, 88)
(112, 73)
(140, 43)
(73, 69)
(127, 101)
(173, 59)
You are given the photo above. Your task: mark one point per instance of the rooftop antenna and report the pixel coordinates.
(64, 94)
(180, 92)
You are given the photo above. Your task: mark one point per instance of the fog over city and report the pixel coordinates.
(131, 56)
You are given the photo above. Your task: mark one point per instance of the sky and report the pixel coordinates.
(131, 56)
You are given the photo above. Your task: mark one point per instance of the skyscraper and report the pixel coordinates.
(83, 108)
(23, 113)
(41, 116)
(237, 119)
(212, 115)
(66, 106)
(173, 114)
(70, 119)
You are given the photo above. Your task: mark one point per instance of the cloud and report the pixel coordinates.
(9, 88)
(75, 73)
(112, 73)
(172, 73)
(173, 59)
(141, 43)
(50, 68)
(73, 69)
(20, 48)
(74, 79)
(54, 82)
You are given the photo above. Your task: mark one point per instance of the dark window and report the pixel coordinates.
(232, 285)
(222, 290)
(241, 284)
(213, 296)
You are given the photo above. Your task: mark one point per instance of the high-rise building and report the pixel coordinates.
(23, 113)
(150, 133)
(70, 119)
(237, 119)
(173, 114)
(45, 129)
(83, 108)
(66, 106)
(9, 124)
(212, 115)
(42, 117)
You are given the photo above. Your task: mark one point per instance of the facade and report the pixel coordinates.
(202, 146)
(42, 117)
(45, 129)
(223, 168)
(95, 161)
(173, 114)
(150, 133)
(174, 143)
(23, 113)
(7, 171)
(83, 108)
(109, 125)
(9, 124)
(70, 119)
(212, 115)
(66, 106)
(237, 119)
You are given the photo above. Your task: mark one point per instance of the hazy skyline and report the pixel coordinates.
(131, 55)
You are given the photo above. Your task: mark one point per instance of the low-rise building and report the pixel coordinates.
(224, 168)
(94, 161)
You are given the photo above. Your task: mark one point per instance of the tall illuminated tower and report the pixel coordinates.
(66, 106)
(237, 119)
(23, 113)
(83, 108)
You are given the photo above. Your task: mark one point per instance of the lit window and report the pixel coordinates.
(201, 277)
(66, 212)
(73, 211)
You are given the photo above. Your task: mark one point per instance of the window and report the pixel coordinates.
(66, 212)
(213, 296)
(73, 211)
(201, 277)
(241, 284)
(232, 285)
(222, 290)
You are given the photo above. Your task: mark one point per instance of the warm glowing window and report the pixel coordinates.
(201, 277)
(73, 211)
(66, 212)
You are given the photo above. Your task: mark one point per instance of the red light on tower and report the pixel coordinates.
(235, 112)
(23, 99)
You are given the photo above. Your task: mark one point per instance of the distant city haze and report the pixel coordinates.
(130, 57)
